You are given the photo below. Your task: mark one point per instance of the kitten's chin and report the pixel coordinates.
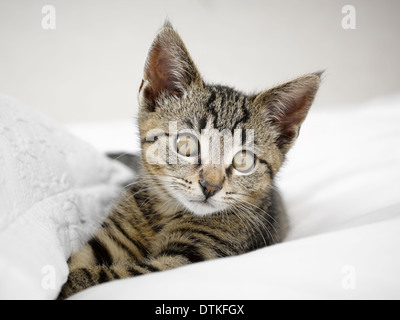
(201, 208)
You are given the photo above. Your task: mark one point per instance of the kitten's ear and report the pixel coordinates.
(169, 69)
(286, 106)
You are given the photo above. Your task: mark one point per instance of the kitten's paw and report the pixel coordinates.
(78, 280)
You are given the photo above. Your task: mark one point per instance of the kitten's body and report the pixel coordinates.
(139, 239)
(190, 211)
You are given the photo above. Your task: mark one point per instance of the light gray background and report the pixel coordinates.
(90, 67)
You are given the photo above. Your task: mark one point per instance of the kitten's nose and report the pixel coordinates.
(209, 189)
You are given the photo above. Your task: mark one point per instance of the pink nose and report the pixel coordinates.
(209, 189)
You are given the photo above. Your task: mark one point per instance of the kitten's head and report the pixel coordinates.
(208, 148)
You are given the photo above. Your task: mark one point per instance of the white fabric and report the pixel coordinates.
(54, 190)
(342, 191)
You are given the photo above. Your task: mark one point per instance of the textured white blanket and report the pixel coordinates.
(54, 190)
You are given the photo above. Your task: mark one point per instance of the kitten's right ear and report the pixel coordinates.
(169, 70)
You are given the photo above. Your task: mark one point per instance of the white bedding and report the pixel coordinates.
(342, 190)
(54, 191)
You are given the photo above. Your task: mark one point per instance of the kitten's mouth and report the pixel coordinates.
(203, 202)
(198, 205)
(201, 207)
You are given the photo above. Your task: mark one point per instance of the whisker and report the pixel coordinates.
(256, 216)
(254, 223)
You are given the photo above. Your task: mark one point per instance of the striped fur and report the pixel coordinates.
(165, 219)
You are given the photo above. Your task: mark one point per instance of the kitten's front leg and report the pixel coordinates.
(80, 279)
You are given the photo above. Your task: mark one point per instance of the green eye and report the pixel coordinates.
(187, 145)
(244, 161)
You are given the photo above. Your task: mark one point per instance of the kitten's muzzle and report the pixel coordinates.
(209, 189)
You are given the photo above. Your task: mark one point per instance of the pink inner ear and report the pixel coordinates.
(288, 126)
(290, 108)
(296, 110)
(169, 70)
(160, 71)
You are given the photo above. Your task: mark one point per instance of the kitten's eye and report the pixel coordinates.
(187, 145)
(244, 161)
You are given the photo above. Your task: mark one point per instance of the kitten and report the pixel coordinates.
(184, 208)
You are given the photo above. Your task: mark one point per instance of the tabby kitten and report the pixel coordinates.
(184, 208)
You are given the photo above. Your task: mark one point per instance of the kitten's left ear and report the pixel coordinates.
(169, 69)
(286, 106)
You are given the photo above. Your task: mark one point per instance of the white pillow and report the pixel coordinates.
(54, 191)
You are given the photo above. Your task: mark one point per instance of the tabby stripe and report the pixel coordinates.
(101, 253)
(212, 236)
(229, 171)
(177, 216)
(87, 279)
(133, 272)
(148, 267)
(211, 100)
(137, 244)
(189, 123)
(220, 253)
(245, 117)
(88, 275)
(105, 225)
(237, 97)
(193, 257)
(203, 123)
(215, 115)
(271, 173)
(186, 250)
(108, 226)
(156, 228)
(114, 274)
(147, 211)
(139, 196)
(217, 250)
(223, 98)
(103, 276)
(124, 247)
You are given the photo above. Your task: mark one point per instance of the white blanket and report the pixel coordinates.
(54, 191)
